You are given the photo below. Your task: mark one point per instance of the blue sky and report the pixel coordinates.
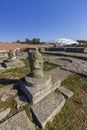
(44, 19)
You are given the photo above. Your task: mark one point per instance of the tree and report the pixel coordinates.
(28, 40)
(18, 41)
(35, 41)
(82, 41)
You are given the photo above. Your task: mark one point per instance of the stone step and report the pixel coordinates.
(19, 121)
(36, 94)
(46, 109)
(66, 92)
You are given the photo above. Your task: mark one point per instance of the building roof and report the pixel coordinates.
(65, 41)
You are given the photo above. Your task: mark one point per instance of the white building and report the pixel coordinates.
(64, 41)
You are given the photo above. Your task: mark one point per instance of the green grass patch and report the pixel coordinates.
(57, 91)
(9, 70)
(75, 82)
(49, 66)
(46, 54)
(26, 62)
(68, 119)
(28, 112)
(17, 73)
(1, 85)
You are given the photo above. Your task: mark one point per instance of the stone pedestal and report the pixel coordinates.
(38, 82)
(36, 89)
(11, 62)
(11, 59)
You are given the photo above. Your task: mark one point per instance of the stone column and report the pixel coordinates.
(36, 63)
(11, 55)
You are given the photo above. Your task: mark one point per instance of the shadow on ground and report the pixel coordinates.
(5, 81)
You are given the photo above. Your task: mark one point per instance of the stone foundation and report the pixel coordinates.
(37, 89)
(11, 63)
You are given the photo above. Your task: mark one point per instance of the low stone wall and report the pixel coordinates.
(55, 49)
(81, 56)
(74, 49)
(67, 49)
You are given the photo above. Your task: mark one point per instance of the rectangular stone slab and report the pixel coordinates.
(19, 121)
(46, 109)
(68, 93)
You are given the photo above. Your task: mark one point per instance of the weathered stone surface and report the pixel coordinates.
(68, 93)
(4, 113)
(12, 92)
(21, 101)
(68, 54)
(46, 109)
(59, 73)
(19, 121)
(58, 60)
(15, 63)
(38, 82)
(76, 62)
(77, 66)
(36, 94)
(5, 92)
(6, 89)
(2, 68)
(36, 63)
(4, 97)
